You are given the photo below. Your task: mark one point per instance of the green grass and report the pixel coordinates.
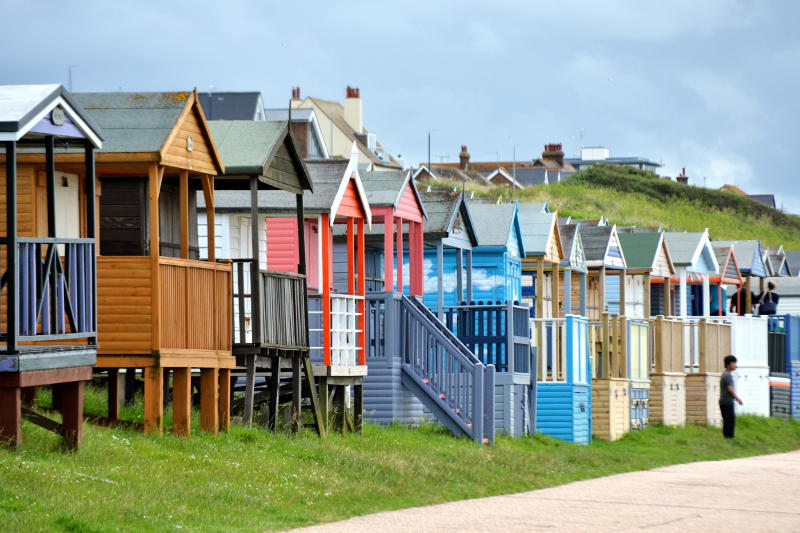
(249, 480)
(632, 197)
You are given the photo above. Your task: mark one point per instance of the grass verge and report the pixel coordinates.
(249, 480)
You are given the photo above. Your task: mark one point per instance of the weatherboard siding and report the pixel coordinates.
(563, 411)
(199, 158)
(408, 207)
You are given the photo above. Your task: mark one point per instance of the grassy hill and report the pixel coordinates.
(631, 197)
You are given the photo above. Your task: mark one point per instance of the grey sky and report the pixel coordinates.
(708, 84)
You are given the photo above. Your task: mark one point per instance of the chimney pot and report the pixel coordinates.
(295, 93)
(463, 158)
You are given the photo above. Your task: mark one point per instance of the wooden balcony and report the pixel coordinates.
(344, 356)
(271, 318)
(182, 320)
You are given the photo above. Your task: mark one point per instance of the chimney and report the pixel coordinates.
(353, 111)
(554, 153)
(463, 158)
(683, 178)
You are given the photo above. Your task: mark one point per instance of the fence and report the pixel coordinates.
(563, 349)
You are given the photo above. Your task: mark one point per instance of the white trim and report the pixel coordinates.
(68, 109)
(509, 177)
(615, 236)
(318, 133)
(705, 243)
(351, 172)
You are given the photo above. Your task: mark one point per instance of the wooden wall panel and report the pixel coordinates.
(200, 158)
(350, 205)
(408, 207)
(124, 305)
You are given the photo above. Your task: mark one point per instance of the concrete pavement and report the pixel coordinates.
(752, 494)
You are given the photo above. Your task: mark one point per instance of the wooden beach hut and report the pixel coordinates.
(47, 257)
(606, 263)
(573, 264)
(752, 267)
(647, 257)
(270, 319)
(449, 240)
(695, 262)
(729, 275)
(497, 259)
(336, 317)
(160, 308)
(541, 264)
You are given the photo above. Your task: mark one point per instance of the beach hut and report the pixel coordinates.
(573, 264)
(751, 265)
(606, 263)
(729, 274)
(541, 264)
(394, 248)
(695, 262)
(160, 309)
(270, 320)
(47, 257)
(647, 257)
(784, 366)
(449, 240)
(496, 261)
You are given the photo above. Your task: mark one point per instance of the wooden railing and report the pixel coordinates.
(672, 338)
(196, 299)
(563, 356)
(55, 290)
(280, 298)
(344, 332)
(497, 333)
(714, 342)
(620, 347)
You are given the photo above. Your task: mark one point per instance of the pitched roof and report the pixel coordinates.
(134, 122)
(793, 261)
(766, 199)
(443, 207)
(537, 229)
(726, 259)
(595, 241)
(749, 256)
(494, 222)
(572, 245)
(247, 147)
(687, 248)
(23, 107)
(232, 105)
(385, 187)
(640, 248)
(451, 174)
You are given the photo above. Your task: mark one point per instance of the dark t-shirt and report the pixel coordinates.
(725, 397)
(768, 303)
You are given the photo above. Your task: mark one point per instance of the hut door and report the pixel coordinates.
(68, 218)
(123, 220)
(169, 220)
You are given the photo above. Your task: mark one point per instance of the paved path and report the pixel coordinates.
(754, 494)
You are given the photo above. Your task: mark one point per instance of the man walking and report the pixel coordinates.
(727, 395)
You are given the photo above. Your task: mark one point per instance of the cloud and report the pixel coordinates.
(481, 280)
(723, 94)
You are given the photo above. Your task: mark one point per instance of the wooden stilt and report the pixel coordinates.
(224, 399)
(72, 413)
(153, 400)
(113, 393)
(249, 389)
(339, 407)
(209, 398)
(324, 407)
(308, 371)
(297, 394)
(274, 393)
(130, 386)
(28, 396)
(181, 401)
(358, 408)
(10, 416)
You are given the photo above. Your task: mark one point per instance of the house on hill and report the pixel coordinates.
(342, 124)
(305, 130)
(595, 155)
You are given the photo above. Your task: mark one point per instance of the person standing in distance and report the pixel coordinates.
(727, 395)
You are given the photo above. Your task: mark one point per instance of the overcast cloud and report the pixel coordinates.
(710, 85)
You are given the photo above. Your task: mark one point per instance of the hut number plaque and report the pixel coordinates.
(189, 143)
(57, 116)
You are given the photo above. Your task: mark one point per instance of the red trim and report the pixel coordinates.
(326, 291)
(362, 356)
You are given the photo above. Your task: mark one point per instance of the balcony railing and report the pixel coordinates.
(564, 353)
(281, 301)
(344, 332)
(195, 304)
(55, 290)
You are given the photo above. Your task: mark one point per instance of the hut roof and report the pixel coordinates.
(748, 253)
(494, 223)
(24, 107)
(689, 250)
(443, 207)
(538, 229)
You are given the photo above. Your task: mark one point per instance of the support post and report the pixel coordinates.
(555, 289)
(209, 399)
(10, 413)
(459, 276)
(388, 253)
(181, 401)
(50, 171)
(601, 284)
(91, 227)
(224, 402)
(184, 213)
(351, 260)
(154, 182)
(113, 393)
(207, 182)
(623, 300)
(153, 400)
(567, 291)
(469, 275)
(12, 318)
(646, 294)
(748, 297)
(539, 288)
(440, 280)
(362, 292)
(399, 253)
(72, 413)
(668, 296)
(326, 289)
(358, 408)
(683, 307)
(583, 294)
(706, 296)
(256, 305)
